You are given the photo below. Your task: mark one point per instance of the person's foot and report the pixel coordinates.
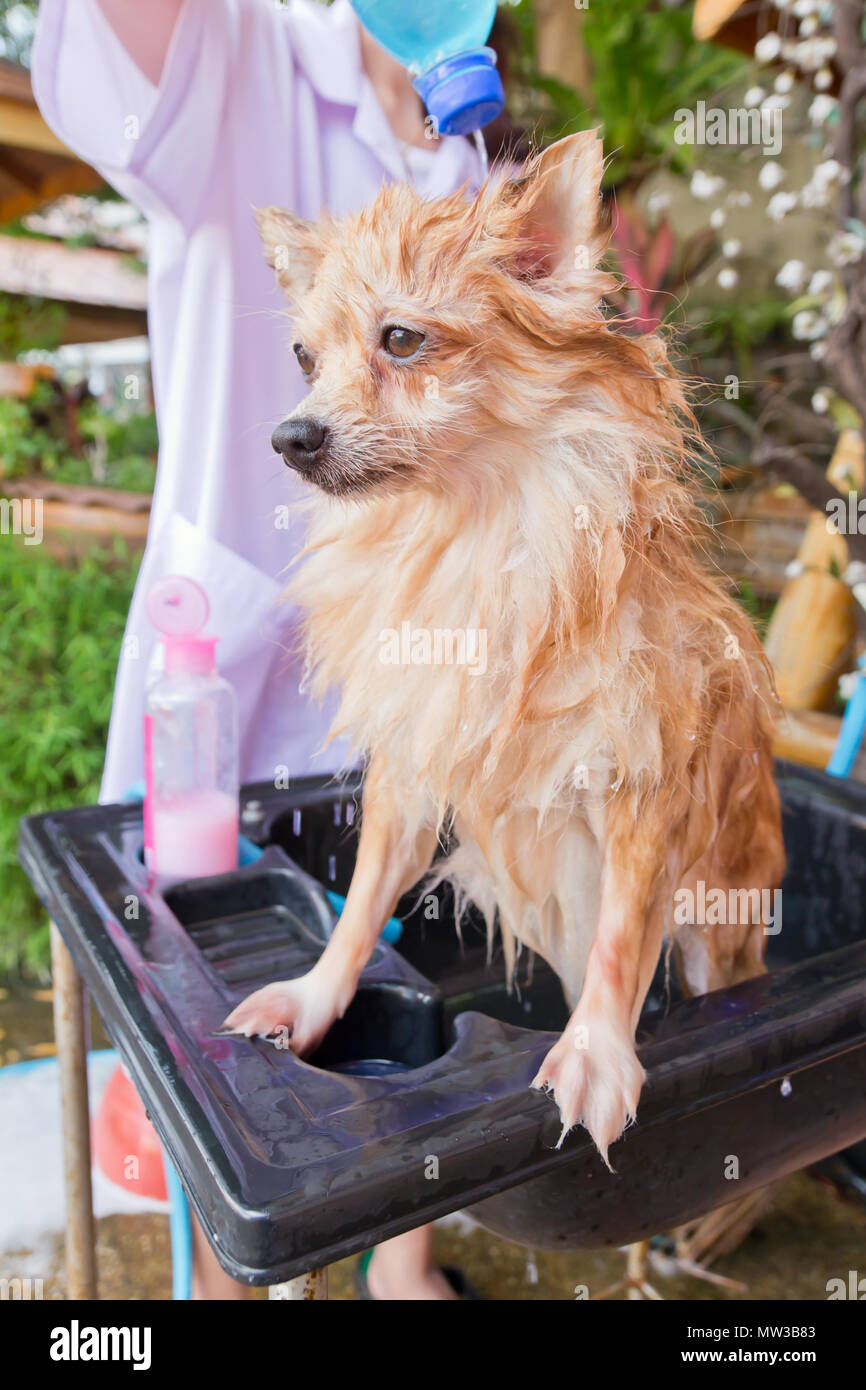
(385, 1283)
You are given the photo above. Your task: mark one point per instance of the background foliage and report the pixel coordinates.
(60, 631)
(17, 23)
(645, 65)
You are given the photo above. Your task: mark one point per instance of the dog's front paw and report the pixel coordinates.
(300, 1011)
(595, 1078)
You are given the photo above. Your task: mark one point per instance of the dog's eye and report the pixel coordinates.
(402, 342)
(305, 361)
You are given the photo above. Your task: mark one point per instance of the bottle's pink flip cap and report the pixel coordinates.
(178, 608)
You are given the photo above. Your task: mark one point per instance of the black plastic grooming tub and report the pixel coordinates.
(418, 1102)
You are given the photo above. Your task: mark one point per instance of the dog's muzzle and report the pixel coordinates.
(302, 441)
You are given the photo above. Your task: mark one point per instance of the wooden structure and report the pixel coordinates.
(75, 518)
(811, 637)
(103, 294)
(732, 22)
(34, 165)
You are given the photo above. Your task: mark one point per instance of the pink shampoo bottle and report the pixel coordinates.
(190, 744)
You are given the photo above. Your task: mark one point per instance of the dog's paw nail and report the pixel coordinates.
(235, 1027)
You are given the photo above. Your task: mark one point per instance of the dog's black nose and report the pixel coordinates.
(300, 441)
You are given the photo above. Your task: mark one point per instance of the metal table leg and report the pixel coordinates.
(70, 1035)
(305, 1288)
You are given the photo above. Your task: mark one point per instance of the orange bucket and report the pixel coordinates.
(125, 1144)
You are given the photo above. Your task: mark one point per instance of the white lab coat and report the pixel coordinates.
(259, 103)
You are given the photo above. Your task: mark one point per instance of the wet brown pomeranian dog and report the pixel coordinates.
(495, 469)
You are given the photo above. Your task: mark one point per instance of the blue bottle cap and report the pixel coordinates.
(462, 93)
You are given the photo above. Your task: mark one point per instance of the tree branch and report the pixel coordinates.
(811, 483)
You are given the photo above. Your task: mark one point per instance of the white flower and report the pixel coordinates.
(771, 176)
(825, 180)
(821, 282)
(814, 195)
(780, 205)
(739, 200)
(768, 48)
(821, 109)
(810, 54)
(727, 278)
(845, 248)
(705, 186)
(792, 276)
(784, 82)
(754, 96)
(801, 8)
(830, 171)
(731, 248)
(808, 325)
(821, 402)
(658, 201)
(809, 25)
(823, 79)
(776, 101)
(718, 217)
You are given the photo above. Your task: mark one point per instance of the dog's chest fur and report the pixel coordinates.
(517, 747)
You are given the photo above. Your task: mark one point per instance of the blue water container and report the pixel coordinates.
(443, 46)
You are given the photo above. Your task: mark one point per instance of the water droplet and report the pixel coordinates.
(786, 1088)
(482, 153)
(531, 1268)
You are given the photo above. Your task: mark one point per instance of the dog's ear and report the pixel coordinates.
(293, 246)
(555, 210)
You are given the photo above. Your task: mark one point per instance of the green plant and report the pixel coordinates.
(760, 610)
(646, 65)
(49, 433)
(26, 446)
(28, 321)
(122, 435)
(60, 633)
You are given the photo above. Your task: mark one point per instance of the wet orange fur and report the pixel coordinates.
(527, 474)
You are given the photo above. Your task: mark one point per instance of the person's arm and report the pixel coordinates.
(145, 30)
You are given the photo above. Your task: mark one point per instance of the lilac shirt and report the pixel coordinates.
(258, 103)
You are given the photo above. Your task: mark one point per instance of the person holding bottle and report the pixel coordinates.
(197, 111)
